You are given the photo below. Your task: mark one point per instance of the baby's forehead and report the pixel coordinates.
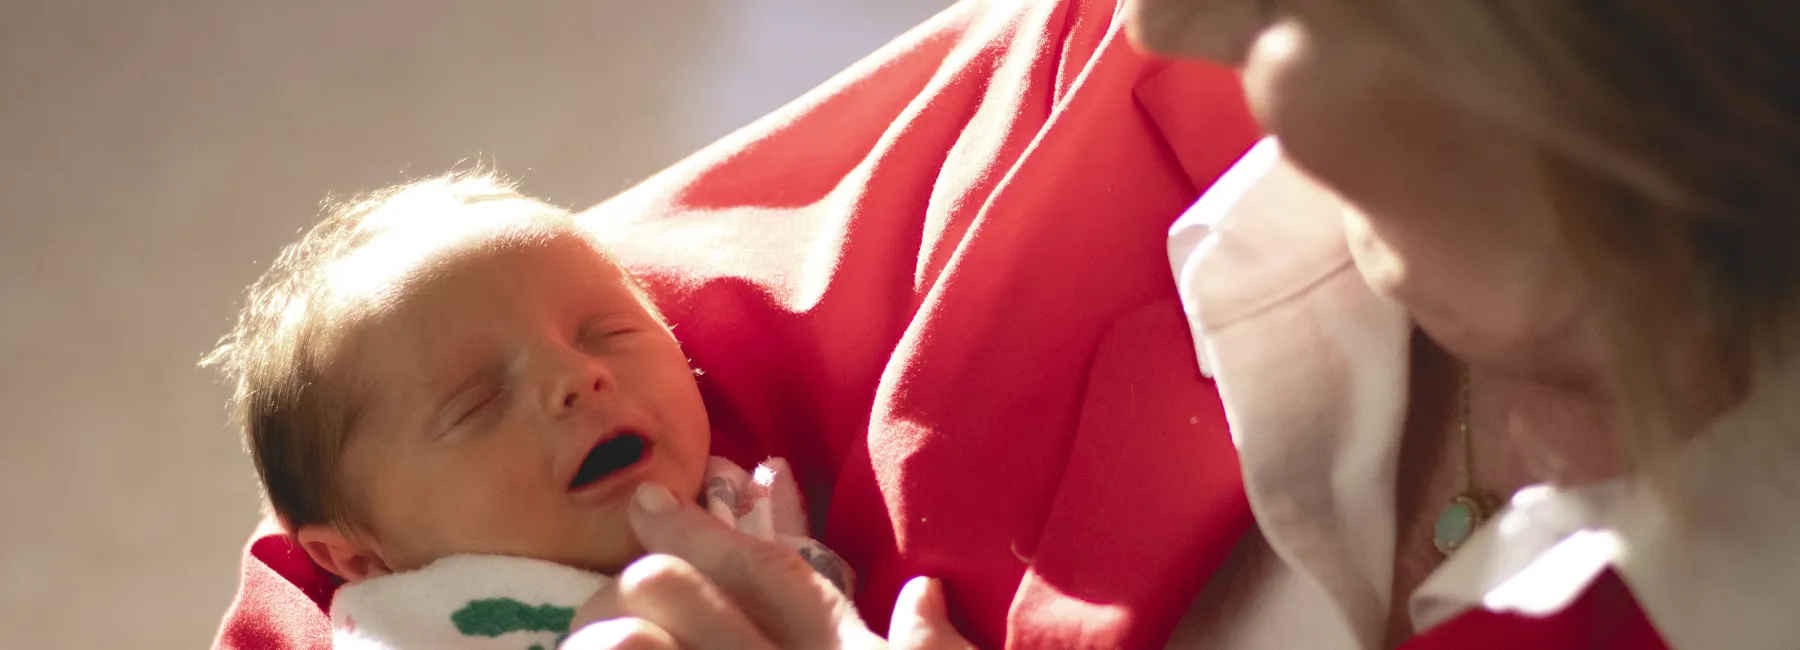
(390, 260)
(400, 273)
(395, 301)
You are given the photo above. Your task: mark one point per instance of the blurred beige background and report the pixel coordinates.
(155, 155)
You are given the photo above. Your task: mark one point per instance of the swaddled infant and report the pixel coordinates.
(450, 393)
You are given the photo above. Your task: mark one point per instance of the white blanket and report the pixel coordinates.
(494, 601)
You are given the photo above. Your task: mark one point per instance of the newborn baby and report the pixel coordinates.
(450, 393)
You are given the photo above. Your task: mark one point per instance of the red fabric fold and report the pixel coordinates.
(939, 286)
(282, 598)
(1606, 617)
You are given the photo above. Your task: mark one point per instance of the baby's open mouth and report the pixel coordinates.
(609, 456)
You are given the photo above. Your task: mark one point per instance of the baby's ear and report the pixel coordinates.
(344, 557)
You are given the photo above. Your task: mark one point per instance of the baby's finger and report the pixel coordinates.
(620, 634)
(670, 593)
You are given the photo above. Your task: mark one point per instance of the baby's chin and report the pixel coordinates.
(612, 560)
(606, 542)
(614, 546)
(603, 547)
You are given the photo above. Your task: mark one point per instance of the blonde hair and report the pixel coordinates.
(1672, 130)
(294, 405)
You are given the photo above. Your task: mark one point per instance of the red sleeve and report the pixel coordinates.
(938, 284)
(282, 598)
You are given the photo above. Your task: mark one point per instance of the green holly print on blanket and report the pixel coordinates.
(491, 617)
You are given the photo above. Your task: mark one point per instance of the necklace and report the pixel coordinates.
(1468, 508)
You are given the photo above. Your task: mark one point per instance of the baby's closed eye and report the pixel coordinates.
(467, 407)
(599, 331)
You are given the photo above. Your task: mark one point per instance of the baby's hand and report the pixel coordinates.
(708, 586)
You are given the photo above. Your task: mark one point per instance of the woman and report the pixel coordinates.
(1588, 212)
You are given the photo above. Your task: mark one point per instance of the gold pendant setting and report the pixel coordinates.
(1458, 521)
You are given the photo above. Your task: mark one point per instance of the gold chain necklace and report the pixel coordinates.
(1458, 520)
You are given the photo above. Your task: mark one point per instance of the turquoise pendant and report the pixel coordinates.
(1459, 520)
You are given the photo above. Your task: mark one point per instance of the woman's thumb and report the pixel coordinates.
(922, 620)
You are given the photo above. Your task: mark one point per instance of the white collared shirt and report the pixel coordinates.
(1312, 367)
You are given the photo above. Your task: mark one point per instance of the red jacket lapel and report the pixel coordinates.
(1149, 506)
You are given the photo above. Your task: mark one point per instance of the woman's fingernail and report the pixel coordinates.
(653, 498)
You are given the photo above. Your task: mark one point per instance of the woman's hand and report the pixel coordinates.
(707, 586)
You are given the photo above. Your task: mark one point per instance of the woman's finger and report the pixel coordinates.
(620, 634)
(771, 584)
(922, 619)
(603, 605)
(670, 593)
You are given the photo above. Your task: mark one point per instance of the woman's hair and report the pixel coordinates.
(1671, 129)
(295, 405)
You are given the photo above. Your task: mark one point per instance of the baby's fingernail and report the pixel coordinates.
(653, 498)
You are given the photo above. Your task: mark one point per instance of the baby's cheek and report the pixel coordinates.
(685, 412)
(486, 497)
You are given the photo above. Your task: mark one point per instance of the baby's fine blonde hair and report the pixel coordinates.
(295, 406)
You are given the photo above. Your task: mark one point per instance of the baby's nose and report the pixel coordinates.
(575, 396)
(580, 390)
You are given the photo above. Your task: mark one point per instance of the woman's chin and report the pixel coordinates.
(1552, 357)
(1380, 267)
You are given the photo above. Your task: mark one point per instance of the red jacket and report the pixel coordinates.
(938, 285)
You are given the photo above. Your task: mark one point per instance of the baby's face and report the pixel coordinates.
(515, 394)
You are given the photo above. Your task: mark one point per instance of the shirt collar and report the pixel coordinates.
(1714, 565)
(1311, 368)
(1259, 219)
